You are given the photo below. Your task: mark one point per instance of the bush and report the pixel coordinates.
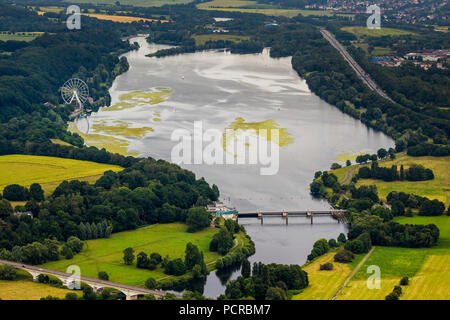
(15, 192)
(320, 247)
(142, 261)
(66, 252)
(71, 296)
(197, 219)
(75, 244)
(7, 272)
(156, 257)
(175, 267)
(355, 246)
(397, 290)
(391, 296)
(341, 238)
(326, 266)
(102, 275)
(431, 208)
(275, 293)
(404, 281)
(332, 243)
(344, 256)
(43, 278)
(150, 283)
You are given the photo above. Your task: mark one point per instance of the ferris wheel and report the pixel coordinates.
(75, 91)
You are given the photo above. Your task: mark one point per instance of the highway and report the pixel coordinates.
(359, 71)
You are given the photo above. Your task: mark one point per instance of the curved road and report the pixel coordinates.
(348, 175)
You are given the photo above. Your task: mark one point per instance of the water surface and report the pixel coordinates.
(217, 87)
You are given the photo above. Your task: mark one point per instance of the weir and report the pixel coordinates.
(339, 215)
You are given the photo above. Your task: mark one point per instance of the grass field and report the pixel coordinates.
(23, 288)
(442, 222)
(60, 142)
(253, 7)
(202, 38)
(138, 3)
(48, 171)
(19, 36)
(438, 188)
(107, 254)
(427, 268)
(122, 19)
(324, 284)
(54, 9)
(365, 32)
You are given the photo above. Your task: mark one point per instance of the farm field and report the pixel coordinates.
(253, 7)
(202, 38)
(23, 288)
(365, 32)
(48, 171)
(138, 3)
(107, 254)
(324, 284)
(427, 268)
(122, 19)
(19, 36)
(43, 9)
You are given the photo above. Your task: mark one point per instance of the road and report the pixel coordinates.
(359, 71)
(348, 175)
(353, 273)
(101, 283)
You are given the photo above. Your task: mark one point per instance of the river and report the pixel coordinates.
(159, 95)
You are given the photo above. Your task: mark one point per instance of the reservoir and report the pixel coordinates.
(157, 96)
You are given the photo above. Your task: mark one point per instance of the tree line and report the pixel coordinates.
(414, 173)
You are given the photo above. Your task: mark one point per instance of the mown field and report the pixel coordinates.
(365, 32)
(107, 254)
(438, 188)
(23, 288)
(427, 268)
(323, 284)
(48, 171)
(200, 39)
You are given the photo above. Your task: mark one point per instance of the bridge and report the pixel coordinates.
(97, 285)
(336, 214)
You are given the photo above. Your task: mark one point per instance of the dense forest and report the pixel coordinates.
(147, 192)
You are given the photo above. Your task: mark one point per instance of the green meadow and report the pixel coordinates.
(438, 188)
(365, 32)
(107, 254)
(427, 268)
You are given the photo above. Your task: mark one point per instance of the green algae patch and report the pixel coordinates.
(157, 116)
(111, 144)
(262, 129)
(140, 98)
(344, 156)
(120, 128)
